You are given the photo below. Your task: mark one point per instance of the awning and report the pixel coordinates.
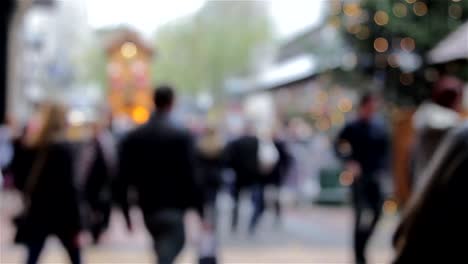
(453, 47)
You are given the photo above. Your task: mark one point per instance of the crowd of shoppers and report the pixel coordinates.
(166, 170)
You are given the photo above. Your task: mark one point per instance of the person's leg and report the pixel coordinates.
(34, 250)
(71, 244)
(167, 231)
(359, 229)
(376, 202)
(235, 209)
(277, 203)
(258, 199)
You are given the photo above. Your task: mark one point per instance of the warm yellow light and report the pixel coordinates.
(140, 115)
(346, 178)
(337, 119)
(345, 105)
(400, 10)
(381, 18)
(390, 207)
(381, 45)
(352, 9)
(420, 9)
(128, 50)
(408, 44)
(455, 11)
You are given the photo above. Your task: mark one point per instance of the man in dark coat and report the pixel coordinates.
(433, 227)
(362, 145)
(158, 160)
(242, 157)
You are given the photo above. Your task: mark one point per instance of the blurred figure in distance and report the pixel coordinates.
(210, 165)
(433, 120)
(158, 160)
(278, 173)
(363, 145)
(98, 167)
(243, 156)
(50, 196)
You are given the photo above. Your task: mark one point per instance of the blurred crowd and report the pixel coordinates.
(165, 169)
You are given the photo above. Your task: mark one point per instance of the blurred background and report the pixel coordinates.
(297, 65)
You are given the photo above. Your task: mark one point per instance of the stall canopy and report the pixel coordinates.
(453, 47)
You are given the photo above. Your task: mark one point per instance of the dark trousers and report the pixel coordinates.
(258, 201)
(69, 242)
(167, 230)
(367, 203)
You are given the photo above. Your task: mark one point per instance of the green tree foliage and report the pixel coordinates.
(218, 42)
(420, 24)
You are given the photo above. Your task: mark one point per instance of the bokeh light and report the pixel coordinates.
(140, 115)
(337, 119)
(408, 44)
(381, 44)
(420, 8)
(390, 207)
(128, 50)
(400, 10)
(345, 105)
(381, 18)
(364, 33)
(352, 9)
(346, 178)
(455, 11)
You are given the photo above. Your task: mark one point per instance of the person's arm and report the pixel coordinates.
(344, 151)
(342, 144)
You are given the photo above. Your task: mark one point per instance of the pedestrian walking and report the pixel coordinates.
(158, 160)
(98, 167)
(432, 122)
(48, 189)
(363, 146)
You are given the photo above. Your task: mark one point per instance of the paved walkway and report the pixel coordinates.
(308, 234)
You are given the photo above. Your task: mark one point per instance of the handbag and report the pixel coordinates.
(22, 219)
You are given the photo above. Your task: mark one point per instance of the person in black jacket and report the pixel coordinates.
(242, 157)
(51, 200)
(363, 146)
(433, 226)
(98, 166)
(157, 159)
(278, 173)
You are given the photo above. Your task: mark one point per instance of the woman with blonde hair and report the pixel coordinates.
(50, 196)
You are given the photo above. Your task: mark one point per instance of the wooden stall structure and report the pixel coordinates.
(128, 73)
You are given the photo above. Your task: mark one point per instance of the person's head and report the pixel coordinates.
(163, 98)
(368, 105)
(448, 92)
(53, 123)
